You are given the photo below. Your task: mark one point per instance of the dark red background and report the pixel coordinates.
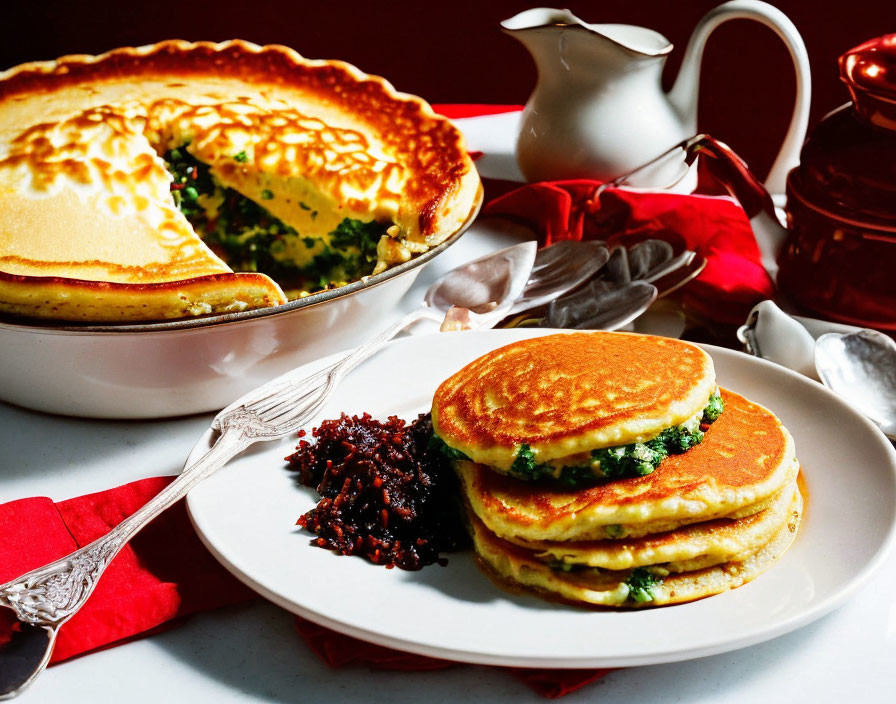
(454, 51)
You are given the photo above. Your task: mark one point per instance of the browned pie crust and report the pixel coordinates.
(437, 196)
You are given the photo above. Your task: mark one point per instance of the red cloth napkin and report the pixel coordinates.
(166, 573)
(162, 574)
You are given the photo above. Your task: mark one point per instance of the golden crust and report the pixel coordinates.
(95, 127)
(570, 393)
(746, 457)
(52, 297)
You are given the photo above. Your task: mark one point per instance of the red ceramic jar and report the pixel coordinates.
(840, 258)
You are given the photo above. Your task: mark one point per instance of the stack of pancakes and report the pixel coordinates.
(537, 430)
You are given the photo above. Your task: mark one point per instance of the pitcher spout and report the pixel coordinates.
(635, 40)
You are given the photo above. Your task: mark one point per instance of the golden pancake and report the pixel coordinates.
(568, 394)
(517, 568)
(688, 548)
(92, 221)
(746, 458)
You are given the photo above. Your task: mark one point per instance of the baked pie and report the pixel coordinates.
(183, 179)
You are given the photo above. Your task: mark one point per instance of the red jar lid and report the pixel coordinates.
(848, 163)
(869, 71)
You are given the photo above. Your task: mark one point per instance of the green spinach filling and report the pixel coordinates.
(633, 460)
(436, 443)
(640, 584)
(249, 238)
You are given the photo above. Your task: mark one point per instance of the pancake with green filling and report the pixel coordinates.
(746, 458)
(688, 548)
(518, 568)
(568, 405)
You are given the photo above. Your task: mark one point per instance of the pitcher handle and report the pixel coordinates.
(684, 91)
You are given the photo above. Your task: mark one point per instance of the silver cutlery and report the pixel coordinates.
(601, 306)
(562, 267)
(625, 287)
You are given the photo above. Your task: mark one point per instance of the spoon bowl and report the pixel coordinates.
(860, 367)
(24, 657)
(479, 294)
(485, 284)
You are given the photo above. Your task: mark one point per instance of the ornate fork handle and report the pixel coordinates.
(47, 597)
(50, 595)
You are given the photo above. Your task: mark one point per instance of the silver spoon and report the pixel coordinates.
(559, 268)
(478, 294)
(24, 657)
(860, 367)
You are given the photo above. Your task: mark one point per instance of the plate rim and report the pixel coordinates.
(752, 635)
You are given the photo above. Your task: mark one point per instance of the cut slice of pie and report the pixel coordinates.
(183, 179)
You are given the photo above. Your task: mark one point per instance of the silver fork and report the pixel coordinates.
(45, 598)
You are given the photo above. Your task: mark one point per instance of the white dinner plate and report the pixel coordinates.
(246, 516)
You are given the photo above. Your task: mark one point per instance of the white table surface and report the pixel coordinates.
(251, 653)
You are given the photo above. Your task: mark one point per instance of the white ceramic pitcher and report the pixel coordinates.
(599, 110)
